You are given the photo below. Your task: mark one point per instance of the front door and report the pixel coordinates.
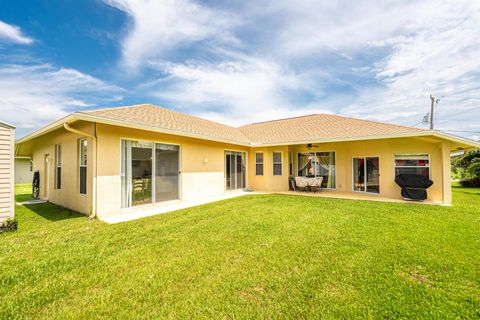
(235, 170)
(366, 174)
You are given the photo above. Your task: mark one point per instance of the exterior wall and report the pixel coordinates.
(198, 178)
(43, 156)
(269, 182)
(22, 171)
(386, 149)
(202, 166)
(7, 136)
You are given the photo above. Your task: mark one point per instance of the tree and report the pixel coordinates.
(467, 168)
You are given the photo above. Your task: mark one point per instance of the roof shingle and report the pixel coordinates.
(316, 127)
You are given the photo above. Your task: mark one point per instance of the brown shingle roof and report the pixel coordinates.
(316, 127)
(319, 127)
(150, 115)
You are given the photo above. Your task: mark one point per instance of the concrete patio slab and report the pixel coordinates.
(177, 205)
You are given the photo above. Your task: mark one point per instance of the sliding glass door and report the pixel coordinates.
(235, 170)
(318, 164)
(366, 174)
(136, 173)
(141, 162)
(166, 172)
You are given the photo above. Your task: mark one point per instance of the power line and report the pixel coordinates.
(468, 131)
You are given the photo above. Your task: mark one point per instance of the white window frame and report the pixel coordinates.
(80, 165)
(58, 164)
(411, 154)
(262, 163)
(276, 163)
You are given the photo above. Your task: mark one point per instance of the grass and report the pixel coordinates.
(259, 256)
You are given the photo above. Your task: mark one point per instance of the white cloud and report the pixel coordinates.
(234, 92)
(245, 62)
(440, 57)
(160, 26)
(32, 96)
(12, 33)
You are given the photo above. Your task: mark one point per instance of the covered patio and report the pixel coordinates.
(334, 194)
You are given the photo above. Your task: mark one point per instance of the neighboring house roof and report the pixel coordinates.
(4, 124)
(314, 128)
(151, 115)
(320, 127)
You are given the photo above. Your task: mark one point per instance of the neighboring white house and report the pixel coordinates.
(23, 170)
(7, 142)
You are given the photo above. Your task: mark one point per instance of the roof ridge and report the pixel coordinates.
(374, 121)
(332, 115)
(281, 119)
(114, 108)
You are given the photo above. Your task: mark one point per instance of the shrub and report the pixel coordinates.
(470, 183)
(9, 224)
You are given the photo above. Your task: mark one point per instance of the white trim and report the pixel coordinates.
(427, 133)
(262, 163)
(320, 151)
(365, 175)
(80, 165)
(273, 163)
(58, 147)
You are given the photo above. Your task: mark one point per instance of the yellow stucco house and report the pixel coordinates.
(110, 161)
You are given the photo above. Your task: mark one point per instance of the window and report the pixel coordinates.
(83, 165)
(412, 164)
(58, 166)
(277, 163)
(259, 163)
(318, 164)
(30, 165)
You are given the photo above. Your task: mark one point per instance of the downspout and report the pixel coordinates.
(94, 138)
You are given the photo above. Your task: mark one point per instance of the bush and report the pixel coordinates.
(8, 225)
(471, 183)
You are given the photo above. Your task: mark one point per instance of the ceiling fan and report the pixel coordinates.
(310, 146)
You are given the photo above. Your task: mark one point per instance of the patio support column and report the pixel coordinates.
(446, 174)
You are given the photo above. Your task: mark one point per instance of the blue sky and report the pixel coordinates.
(240, 61)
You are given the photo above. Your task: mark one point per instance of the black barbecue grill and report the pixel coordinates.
(414, 186)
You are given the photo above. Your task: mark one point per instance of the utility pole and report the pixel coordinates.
(432, 99)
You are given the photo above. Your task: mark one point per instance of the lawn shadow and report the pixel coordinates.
(53, 212)
(23, 197)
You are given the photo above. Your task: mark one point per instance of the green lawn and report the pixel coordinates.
(259, 256)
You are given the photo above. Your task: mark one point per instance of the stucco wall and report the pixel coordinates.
(44, 149)
(385, 149)
(22, 171)
(198, 179)
(269, 182)
(202, 165)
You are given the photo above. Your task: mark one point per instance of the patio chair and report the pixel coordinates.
(317, 184)
(139, 188)
(292, 183)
